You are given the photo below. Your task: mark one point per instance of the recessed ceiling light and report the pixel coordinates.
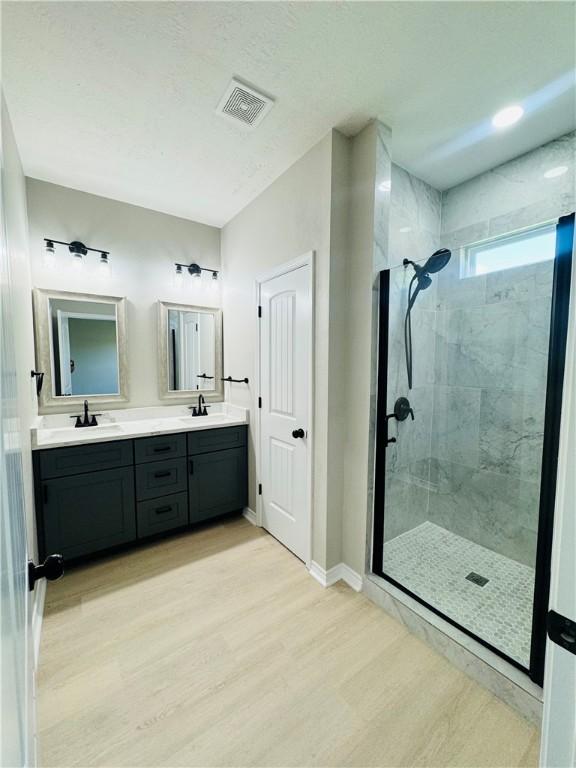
(507, 116)
(553, 173)
(405, 229)
(385, 186)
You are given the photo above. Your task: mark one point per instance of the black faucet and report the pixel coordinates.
(201, 409)
(86, 421)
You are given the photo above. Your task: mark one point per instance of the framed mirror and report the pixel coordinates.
(80, 344)
(190, 351)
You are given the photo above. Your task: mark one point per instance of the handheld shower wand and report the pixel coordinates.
(435, 263)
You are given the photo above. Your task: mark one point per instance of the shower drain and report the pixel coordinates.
(475, 578)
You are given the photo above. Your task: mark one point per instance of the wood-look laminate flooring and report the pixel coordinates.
(217, 648)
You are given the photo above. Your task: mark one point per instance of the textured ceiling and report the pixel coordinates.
(119, 99)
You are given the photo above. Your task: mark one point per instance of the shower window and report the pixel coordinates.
(466, 455)
(530, 246)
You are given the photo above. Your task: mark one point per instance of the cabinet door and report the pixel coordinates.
(87, 513)
(218, 483)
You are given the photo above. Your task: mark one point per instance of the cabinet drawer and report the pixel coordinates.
(208, 440)
(218, 483)
(160, 478)
(75, 459)
(87, 513)
(162, 514)
(159, 447)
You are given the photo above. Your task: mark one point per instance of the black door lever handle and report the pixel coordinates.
(52, 568)
(298, 432)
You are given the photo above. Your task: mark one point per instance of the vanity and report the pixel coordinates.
(101, 493)
(111, 478)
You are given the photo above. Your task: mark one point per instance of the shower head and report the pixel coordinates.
(435, 263)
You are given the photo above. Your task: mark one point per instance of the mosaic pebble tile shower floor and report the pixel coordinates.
(433, 563)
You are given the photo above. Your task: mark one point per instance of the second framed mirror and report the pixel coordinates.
(190, 351)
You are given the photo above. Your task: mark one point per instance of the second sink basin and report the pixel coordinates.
(73, 433)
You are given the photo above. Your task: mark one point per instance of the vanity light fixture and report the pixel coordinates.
(76, 248)
(49, 254)
(104, 264)
(195, 270)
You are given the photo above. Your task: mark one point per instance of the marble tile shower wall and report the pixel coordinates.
(491, 355)
(471, 460)
(491, 358)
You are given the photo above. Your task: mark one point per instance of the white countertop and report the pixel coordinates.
(57, 430)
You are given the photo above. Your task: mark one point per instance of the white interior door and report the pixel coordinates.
(559, 721)
(285, 428)
(16, 665)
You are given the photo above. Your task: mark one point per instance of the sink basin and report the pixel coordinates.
(73, 433)
(197, 420)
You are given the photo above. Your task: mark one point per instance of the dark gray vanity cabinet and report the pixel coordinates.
(90, 498)
(85, 513)
(217, 483)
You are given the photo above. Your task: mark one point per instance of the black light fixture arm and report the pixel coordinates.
(196, 269)
(75, 246)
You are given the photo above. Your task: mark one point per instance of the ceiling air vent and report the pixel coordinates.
(244, 105)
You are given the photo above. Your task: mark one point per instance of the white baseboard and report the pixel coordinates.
(250, 515)
(37, 614)
(340, 572)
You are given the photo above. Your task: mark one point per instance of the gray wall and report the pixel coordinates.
(297, 213)
(143, 247)
(471, 461)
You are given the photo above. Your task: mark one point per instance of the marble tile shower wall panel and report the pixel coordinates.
(491, 356)
(513, 195)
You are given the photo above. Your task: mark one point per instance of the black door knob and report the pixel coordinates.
(298, 432)
(52, 568)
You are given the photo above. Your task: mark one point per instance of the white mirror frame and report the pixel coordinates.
(48, 402)
(211, 395)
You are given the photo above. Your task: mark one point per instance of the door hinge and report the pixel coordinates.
(259, 402)
(259, 310)
(259, 489)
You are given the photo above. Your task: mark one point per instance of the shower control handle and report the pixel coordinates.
(402, 409)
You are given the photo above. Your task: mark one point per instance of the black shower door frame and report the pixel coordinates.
(552, 416)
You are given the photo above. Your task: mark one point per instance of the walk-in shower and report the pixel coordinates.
(464, 490)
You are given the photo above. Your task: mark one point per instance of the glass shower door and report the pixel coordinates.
(459, 464)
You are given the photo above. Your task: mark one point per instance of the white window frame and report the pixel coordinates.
(469, 252)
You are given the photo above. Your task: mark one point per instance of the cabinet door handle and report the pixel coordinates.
(191, 467)
(162, 449)
(163, 510)
(162, 474)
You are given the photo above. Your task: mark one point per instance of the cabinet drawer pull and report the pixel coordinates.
(162, 449)
(163, 510)
(191, 467)
(162, 474)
